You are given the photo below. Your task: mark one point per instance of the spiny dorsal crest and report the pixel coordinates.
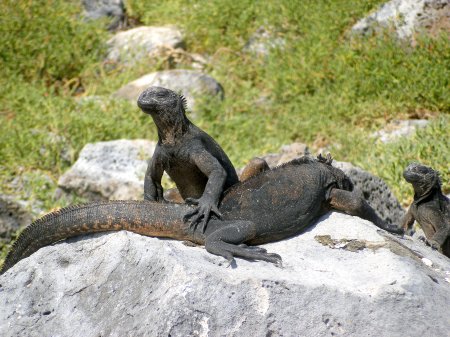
(183, 102)
(326, 160)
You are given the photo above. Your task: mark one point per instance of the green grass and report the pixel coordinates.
(323, 88)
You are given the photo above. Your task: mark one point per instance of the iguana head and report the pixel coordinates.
(167, 109)
(423, 178)
(158, 101)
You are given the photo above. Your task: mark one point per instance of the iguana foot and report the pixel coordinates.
(249, 253)
(431, 243)
(228, 241)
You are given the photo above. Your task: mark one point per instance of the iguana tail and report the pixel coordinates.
(142, 217)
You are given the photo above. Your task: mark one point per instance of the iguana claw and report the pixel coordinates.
(201, 214)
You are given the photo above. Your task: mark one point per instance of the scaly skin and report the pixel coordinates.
(431, 208)
(271, 206)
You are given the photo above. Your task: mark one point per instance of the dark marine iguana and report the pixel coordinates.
(430, 207)
(195, 162)
(271, 206)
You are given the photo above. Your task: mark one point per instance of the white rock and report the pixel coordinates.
(137, 43)
(110, 170)
(263, 41)
(192, 84)
(406, 17)
(399, 128)
(427, 262)
(123, 284)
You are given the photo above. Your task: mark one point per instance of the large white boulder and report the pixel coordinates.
(342, 277)
(109, 170)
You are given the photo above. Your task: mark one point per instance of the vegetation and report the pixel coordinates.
(323, 87)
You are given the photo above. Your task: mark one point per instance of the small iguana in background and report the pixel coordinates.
(430, 207)
(195, 162)
(271, 206)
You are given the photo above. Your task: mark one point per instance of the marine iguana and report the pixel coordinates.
(271, 206)
(195, 162)
(431, 208)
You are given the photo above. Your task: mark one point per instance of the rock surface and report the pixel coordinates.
(114, 9)
(109, 170)
(399, 128)
(407, 17)
(192, 84)
(342, 277)
(376, 192)
(137, 43)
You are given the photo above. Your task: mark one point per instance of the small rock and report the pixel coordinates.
(263, 41)
(192, 84)
(137, 43)
(114, 9)
(406, 17)
(399, 128)
(109, 170)
(427, 262)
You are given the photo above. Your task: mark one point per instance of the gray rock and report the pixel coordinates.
(14, 214)
(399, 128)
(114, 9)
(376, 192)
(109, 170)
(192, 84)
(406, 17)
(137, 43)
(263, 41)
(342, 277)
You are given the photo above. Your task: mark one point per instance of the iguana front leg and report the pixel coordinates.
(153, 190)
(353, 203)
(442, 225)
(209, 200)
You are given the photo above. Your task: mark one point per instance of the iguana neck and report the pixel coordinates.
(421, 194)
(171, 128)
